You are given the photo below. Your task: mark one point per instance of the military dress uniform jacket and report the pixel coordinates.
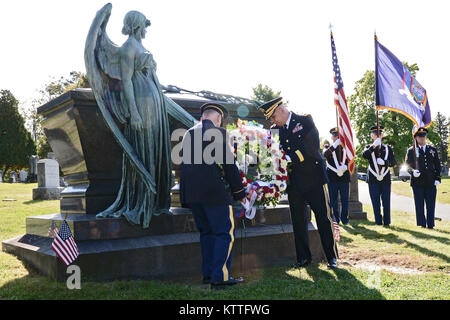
(429, 166)
(332, 175)
(386, 153)
(301, 143)
(204, 183)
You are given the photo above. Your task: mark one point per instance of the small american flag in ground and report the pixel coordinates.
(64, 245)
(337, 232)
(344, 126)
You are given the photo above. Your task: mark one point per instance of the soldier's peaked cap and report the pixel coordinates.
(334, 131)
(374, 129)
(269, 107)
(216, 107)
(421, 132)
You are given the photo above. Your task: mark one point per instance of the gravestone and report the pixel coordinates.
(23, 176)
(32, 176)
(13, 177)
(355, 208)
(1, 176)
(48, 180)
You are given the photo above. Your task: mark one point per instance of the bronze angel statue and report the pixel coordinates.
(130, 98)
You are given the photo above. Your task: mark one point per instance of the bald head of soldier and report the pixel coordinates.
(280, 115)
(214, 112)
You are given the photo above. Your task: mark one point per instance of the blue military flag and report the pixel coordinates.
(397, 90)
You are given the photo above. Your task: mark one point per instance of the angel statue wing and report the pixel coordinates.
(101, 58)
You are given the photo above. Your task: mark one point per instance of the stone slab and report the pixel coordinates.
(169, 249)
(164, 257)
(47, 193)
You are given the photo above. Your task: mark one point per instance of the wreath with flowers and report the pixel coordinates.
(261, 161)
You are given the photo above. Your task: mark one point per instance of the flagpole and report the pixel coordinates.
(376, 87)
(336, 107)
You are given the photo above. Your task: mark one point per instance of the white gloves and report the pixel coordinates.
(336, 143)
(416, 173)
(341, 170)
(380, 161)
(377, 142)
(436, 182)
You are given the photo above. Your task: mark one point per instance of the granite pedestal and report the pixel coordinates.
(169, 249)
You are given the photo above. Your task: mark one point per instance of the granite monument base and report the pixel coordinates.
(47, 193)
(355, 211)
(169, 249)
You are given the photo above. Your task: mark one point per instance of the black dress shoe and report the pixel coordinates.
(206, 280)
(225, 284)
(332, 263)
(302, 263)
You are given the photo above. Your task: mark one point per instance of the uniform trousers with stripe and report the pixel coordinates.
(318, 199)
(216, 226)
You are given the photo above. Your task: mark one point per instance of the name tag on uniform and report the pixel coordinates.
(298, 127)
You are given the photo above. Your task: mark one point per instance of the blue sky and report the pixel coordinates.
(231, 46)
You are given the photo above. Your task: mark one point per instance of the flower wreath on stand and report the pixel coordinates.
(262, 164)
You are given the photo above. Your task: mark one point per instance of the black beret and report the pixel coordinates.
(216, 107)
(268, 108)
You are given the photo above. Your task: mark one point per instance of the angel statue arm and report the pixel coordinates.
(127, 60)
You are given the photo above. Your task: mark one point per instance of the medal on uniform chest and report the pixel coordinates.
(298, 127)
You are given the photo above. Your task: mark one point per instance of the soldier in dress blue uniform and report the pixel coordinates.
(338, 177)
(202, 188)
(307, 179)
(380, 157)
(425, 170)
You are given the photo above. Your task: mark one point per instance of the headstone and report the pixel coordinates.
(62, 183)
(1, 176)
(32, 176)
(355, 208)
(23, 175)
(13, 178)
(48, 180)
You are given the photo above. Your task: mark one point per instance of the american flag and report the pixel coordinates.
(344, 126)
(337, 231)
(64, 245)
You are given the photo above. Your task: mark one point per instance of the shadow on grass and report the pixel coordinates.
(261, 284)
(422, 235)
(358, 228)
(343, 286)
(33, 201)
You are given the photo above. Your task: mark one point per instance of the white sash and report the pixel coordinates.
(336, 163)
(379, 175)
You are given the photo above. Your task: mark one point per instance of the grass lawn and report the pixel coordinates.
(443, 190)
(400, 262)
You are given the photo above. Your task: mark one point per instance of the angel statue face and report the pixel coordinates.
(135, 24)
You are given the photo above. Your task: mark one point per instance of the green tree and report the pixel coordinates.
(442, 130)
(397, 127)
(16, 143)
(49, 91)
(264, 93)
